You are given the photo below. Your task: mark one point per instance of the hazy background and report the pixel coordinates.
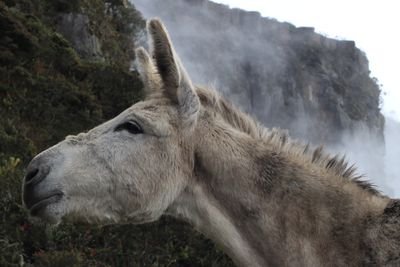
(384, 173)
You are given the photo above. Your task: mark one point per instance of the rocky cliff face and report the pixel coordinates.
(293, 78)
(99, 30)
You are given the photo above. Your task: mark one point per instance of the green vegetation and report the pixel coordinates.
(47, 91)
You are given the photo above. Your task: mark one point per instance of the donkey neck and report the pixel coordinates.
(266, 210)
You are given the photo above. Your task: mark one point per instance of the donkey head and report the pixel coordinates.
(131, 168)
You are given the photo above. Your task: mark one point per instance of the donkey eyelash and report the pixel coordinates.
(131, 126)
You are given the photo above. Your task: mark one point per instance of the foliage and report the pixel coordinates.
(47, 91)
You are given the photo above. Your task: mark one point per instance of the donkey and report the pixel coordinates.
(184, 151)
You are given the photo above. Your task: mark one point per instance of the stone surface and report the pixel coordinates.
(289, 77)
(76, 29)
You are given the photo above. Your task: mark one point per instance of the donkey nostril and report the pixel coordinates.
(31, 175)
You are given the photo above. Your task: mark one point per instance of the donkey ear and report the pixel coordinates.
(176, 83)
(148, 71)
(164, 54)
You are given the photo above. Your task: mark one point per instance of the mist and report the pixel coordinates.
(378, 162)
(292, 78)
(392, 157)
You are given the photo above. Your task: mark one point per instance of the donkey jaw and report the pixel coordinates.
(48, 211)
(41, 204)
(45, 203)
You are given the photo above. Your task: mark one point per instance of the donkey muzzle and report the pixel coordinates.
(35, 194)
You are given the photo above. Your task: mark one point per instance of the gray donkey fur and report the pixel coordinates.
(186, 152)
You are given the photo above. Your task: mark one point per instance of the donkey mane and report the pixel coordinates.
(280, 140)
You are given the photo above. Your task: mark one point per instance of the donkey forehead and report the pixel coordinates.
(161, 108)
(152, 112)
(154, 116)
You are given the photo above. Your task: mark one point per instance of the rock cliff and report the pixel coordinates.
(289, 77)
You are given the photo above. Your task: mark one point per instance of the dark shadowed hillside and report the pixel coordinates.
(64, 69)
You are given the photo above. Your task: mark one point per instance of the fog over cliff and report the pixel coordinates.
(392, 157)
(318, 88)
(379, 163)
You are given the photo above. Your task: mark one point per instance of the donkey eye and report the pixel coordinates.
(132, 127)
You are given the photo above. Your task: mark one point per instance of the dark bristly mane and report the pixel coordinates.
(280, 140)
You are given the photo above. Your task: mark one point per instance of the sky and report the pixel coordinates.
(373, 25)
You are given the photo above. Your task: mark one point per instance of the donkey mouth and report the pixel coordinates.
(41, 203)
